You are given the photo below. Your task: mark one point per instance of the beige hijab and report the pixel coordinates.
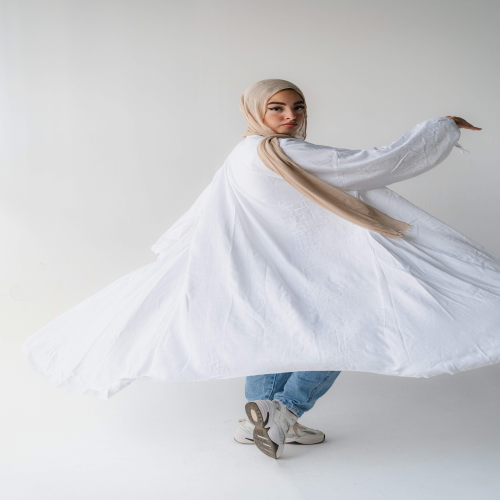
(253, 107)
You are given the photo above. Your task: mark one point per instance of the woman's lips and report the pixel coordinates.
(289, 125)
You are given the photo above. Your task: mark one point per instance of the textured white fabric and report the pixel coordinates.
(255, 278)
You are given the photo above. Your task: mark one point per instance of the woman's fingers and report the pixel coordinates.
(466, 124)
(461, 123)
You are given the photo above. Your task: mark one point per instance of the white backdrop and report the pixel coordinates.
(101, 102)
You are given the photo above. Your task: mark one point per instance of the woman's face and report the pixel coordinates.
(285, 112)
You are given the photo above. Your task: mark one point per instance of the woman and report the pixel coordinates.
(296, 257)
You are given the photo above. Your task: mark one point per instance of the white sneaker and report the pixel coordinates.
(298, 434)
(272, 421)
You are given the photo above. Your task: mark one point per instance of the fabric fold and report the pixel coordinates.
(325, 195)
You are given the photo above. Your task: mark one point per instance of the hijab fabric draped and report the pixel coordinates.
(253, 107)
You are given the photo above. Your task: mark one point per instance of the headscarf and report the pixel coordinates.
(253, 107)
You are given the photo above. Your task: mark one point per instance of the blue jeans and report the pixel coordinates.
(298, 391)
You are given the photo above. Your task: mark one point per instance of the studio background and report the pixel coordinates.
(114, 117)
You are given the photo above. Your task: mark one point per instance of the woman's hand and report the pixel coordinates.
(461, 123)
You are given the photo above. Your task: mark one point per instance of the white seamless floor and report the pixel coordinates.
(387, 438)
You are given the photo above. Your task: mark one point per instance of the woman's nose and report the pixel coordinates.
(290, 114)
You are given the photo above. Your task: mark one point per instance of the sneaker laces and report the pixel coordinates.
(247, 426)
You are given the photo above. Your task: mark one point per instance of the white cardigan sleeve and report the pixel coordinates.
(422, 148)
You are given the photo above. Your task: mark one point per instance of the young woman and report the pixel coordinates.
(295, 261)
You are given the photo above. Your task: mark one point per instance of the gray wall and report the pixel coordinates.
(116, 114)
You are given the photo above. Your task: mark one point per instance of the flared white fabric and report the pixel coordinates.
(255, 278)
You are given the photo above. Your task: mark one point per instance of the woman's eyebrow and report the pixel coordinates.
(284, 104)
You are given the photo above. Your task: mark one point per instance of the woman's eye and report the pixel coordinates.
(299, 107)
(274, 109)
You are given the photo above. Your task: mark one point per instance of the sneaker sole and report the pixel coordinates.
(243, 440)
(247, 440)
(305, 443)
(260, 436)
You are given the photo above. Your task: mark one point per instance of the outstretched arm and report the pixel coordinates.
(422, 148)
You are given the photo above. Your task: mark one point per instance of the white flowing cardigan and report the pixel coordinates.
(255, 278)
